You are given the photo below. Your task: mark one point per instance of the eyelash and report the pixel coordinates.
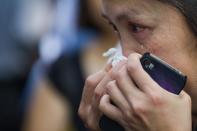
(136, 28)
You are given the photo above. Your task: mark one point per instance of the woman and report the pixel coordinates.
(166, 28)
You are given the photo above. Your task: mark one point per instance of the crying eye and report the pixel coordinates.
(135, 28)
(138, 31)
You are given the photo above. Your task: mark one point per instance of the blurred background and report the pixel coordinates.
(47, 49)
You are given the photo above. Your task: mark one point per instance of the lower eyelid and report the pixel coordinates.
(142, 35)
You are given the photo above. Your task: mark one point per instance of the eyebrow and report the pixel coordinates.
(123, 15)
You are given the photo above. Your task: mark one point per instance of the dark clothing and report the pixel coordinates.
(194, 127)
(68, 79)
(10, 108)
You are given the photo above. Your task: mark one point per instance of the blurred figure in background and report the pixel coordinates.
(92, 55)
(56, 80)
(17, 53)
(68, 53)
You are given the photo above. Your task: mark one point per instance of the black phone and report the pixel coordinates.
(164, 74)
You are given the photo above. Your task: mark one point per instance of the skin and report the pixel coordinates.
(141, 104)
(47, 111)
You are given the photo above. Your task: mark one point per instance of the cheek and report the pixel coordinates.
(130, 44)
(162, 43)
(131, 47)
(155, 45)
(168, 47)
(159, 46)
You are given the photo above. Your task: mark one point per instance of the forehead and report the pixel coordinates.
(131, 2)
(111, 7)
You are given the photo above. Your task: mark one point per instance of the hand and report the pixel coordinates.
(141, 104)
(92, 93)
(88, 110)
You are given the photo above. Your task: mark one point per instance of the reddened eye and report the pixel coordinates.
(135, 28)
(139, 32)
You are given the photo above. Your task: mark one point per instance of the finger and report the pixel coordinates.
(116, 96)
(117, 67)
(110, 110)
(120, 101)
(90, 85)
(98, 93)
(140, 77)
(126, 84)
(87, 95)
(93, 118)
(100, 89)
(108, 67)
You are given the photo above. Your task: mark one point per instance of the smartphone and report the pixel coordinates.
(164, 74)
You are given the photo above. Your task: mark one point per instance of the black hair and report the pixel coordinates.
(189, 9)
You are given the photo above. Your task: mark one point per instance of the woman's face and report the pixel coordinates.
(149, 25)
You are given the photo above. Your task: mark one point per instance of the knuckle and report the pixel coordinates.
(81, 113)
(120, 75)
(109, 86)
(113, 73)
(98, 93)
(139, 109)
(133, 66)
(91, 81)
(91, 125)
(128, 114)
(101, 106)
(157, 99)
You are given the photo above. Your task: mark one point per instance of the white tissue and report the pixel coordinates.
(114, 56)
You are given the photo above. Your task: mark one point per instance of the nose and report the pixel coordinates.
(130, 45)
(126, 51)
